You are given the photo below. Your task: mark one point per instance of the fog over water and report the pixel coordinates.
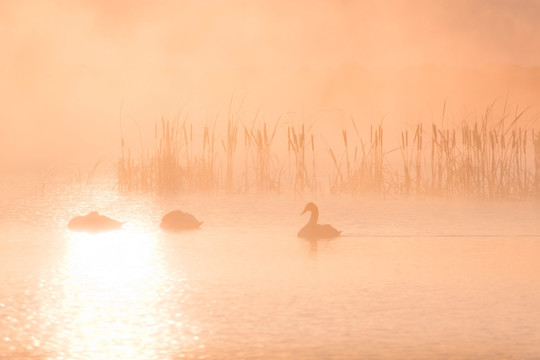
(438, 255)
(73, 69)
(409, 278)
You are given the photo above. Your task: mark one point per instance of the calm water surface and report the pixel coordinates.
(419, 279)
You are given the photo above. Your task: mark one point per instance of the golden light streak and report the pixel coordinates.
(111, 291)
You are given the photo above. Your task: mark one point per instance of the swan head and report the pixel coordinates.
(310, 207)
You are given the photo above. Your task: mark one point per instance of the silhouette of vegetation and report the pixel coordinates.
(363, 170)
(489, 158)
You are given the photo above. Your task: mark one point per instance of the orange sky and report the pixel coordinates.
(69, 65)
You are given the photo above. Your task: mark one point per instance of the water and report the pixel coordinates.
(409, 279)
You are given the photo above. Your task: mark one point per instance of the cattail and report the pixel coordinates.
(419, 129)
(288, 138)
(407, 138)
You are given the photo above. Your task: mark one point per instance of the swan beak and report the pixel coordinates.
(303, 212)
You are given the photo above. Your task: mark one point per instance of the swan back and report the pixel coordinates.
(93, 223)
(179, 220)
(318, 232)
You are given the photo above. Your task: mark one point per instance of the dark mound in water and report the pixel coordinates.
(178, 220)
(93, 223)
(312, 230)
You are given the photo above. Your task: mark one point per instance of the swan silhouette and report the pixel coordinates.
(178, 220)
(312, 230)
(93, 223)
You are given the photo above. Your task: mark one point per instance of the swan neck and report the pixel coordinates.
(314, 217)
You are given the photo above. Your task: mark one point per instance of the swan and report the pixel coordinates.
(312, 230)
(179, 220)
(93, 223)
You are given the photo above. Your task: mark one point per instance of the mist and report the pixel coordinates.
(75, 74)
(155, 158)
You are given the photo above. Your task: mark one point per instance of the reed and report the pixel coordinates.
(490, 161)
(170, 176)
(266, 166)
(297, 144)
(173, 165)
(229, 147)
(363, 170)
(536, 142)
(411, 156)
(85, 181)
(489, 157)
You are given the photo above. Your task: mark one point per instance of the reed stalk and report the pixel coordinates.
(490, 157)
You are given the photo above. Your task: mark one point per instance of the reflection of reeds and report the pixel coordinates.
(484, 158)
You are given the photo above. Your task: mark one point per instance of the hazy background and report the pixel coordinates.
(72, 71)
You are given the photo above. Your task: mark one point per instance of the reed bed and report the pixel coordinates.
(361, 166)
(299, 142)
(265, 165)
(488, 160)
(173, 165)
(492, 157)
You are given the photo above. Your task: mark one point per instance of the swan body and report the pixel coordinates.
(179, 220)
(93, 223)
(313, 230)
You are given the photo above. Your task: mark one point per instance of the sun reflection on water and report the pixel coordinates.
(114, 288)
(121, 259)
